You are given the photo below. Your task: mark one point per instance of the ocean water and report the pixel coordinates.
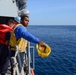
(62, 40)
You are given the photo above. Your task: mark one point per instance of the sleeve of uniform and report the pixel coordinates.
(22, 32)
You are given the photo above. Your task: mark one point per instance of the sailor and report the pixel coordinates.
(20, 36)
(5, 33)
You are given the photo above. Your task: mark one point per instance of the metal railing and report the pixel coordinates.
(27, 61)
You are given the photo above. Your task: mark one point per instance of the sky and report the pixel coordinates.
(52, 12)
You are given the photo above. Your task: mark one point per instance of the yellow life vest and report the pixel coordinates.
(21, 43)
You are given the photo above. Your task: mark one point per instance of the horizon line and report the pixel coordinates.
(52, 25)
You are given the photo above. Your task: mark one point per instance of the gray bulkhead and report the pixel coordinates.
(8, 8)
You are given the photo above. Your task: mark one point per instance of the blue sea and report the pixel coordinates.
(62, 40)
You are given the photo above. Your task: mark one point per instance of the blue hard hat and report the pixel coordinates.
(17, 19)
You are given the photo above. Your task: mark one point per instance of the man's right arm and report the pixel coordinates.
(22, 32)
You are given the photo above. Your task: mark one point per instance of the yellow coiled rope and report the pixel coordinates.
(43, 51)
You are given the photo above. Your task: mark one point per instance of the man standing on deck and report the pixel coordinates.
(5, 33)
(20, 36)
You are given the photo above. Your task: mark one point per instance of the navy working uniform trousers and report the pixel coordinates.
(4, 58)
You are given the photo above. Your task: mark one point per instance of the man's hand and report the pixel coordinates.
(42, 44)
